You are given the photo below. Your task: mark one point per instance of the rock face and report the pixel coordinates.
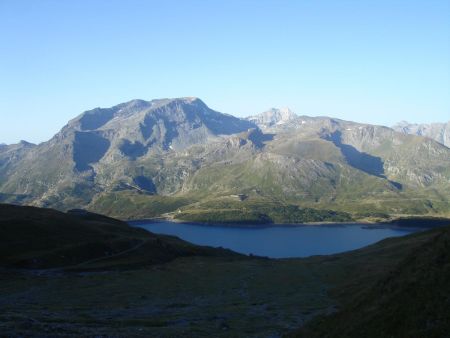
(439, 132)
(137, 127)
(94, 150)
(157, 156)
(273, 117)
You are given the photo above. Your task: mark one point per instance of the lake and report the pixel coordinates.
(279, 241)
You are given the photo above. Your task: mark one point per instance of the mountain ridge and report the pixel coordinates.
(180, 157)
(439, 132)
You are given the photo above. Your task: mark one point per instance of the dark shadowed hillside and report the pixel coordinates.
(411, 299)
(45, 238)
(81, 274)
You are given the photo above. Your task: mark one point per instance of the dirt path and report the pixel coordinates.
(61, 270)
(107, 257)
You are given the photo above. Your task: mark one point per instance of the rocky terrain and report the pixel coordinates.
(273, 117)
(439, 132)
(181, 159)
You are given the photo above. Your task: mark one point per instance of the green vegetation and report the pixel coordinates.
(196, 208)
(230, 210)
(132, 205)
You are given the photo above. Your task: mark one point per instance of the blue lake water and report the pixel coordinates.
(279, 241)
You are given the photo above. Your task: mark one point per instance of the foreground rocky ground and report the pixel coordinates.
(204, 292)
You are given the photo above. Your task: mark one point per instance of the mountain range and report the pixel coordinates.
(178, 158)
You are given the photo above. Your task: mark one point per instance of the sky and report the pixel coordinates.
(371, 61)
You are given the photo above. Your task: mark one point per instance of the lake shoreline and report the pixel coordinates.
(279, 241)
(400, 223)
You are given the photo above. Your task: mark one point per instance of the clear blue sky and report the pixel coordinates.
(376, 61)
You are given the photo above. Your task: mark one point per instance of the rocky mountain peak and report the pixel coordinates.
(273, 116)
(181, 146)
(138, 128)
(191, 99)
(24, 143)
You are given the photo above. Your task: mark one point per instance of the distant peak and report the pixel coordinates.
(26, 143)
(180, 100)
(191, 98)
(403, 123)
(273, 116)
(284, 113)
(185, 99)
(283, 110)
(137, 103)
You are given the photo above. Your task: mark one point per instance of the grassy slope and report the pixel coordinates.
(45, 238)
(221, 209)
(256, 210)
(291, 171)
(261, 209)
(132, 205)
(410, 299)
(303, 184)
